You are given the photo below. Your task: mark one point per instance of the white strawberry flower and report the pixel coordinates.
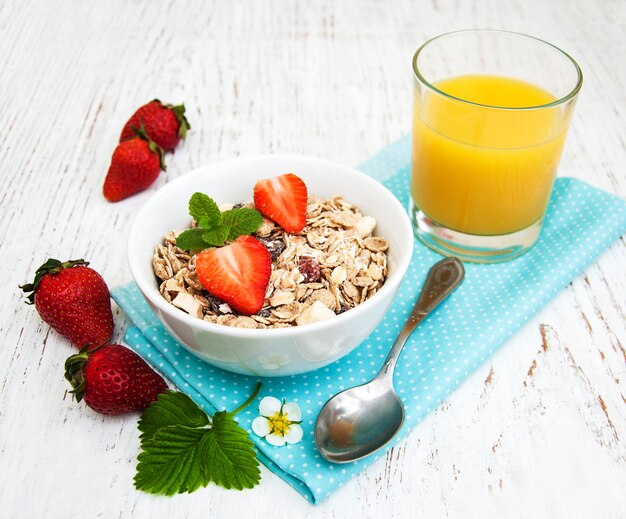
(279, 422)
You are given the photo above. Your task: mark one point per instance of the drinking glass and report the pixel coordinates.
(491, 110)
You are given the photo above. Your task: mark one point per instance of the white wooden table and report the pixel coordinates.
(539, 431)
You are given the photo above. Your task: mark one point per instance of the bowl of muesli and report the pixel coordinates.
(270, 265)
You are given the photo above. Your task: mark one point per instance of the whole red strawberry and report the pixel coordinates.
(165, 124)
(74, 300)
(135, 165)
(113, 379)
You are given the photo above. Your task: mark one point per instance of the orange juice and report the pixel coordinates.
(485, 155)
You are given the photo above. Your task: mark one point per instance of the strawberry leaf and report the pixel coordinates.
(203, 209)
(170, 408)
(233, 460)
(183, 450)
(171, 462)
(191, 239)
(179, 112)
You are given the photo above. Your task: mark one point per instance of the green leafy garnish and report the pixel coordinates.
(214, 227)
(171, 408)
(184, 449)
(240, 221)
(191, 239)
(215, 236)
(203, 209)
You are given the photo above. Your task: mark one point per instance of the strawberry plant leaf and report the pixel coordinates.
(203, 208)
(191, 239)
(241, 221)
(170, 408)
(183, 449)
(171, 461)
(233, 459)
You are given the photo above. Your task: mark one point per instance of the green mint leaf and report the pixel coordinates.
(191, 239)
(215, 236)
(170, 408)
(173, 461)
(241, 221)
(233, 459)
(235, 222)
(205, 222)
(204, 209)
(214, 227)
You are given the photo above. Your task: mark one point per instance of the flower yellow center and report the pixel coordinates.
(279, 423)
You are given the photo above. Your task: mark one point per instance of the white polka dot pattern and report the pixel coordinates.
(493, 302)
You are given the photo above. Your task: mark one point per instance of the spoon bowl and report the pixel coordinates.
(362, 419)
(349, 425)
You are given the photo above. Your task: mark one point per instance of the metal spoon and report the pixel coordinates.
(362, 419)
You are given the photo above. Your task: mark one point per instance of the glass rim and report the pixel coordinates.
(571, 95)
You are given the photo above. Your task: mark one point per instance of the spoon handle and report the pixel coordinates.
(442, 279)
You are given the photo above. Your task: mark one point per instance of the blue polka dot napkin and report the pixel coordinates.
(491, 304)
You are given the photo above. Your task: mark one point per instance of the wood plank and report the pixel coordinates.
(539, 431)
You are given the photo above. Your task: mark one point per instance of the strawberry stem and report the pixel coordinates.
(249, 400)
(75, 372)
(75, 369)
(179, 112)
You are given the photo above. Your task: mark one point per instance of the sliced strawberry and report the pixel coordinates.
(237, 273)
(282, 199)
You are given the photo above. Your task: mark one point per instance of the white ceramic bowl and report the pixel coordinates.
(281, 351)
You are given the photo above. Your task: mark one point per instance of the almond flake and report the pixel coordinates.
(188, 303)
(318, 311)
(365, 226)
(339, 275)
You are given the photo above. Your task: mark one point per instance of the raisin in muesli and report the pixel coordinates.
(310, 269)
(275, 246)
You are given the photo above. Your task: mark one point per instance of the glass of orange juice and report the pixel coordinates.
(491, 110)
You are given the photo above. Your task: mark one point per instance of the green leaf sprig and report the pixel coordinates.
(184, 449)
(214, 227)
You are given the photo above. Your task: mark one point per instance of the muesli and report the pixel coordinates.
(334, 264)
